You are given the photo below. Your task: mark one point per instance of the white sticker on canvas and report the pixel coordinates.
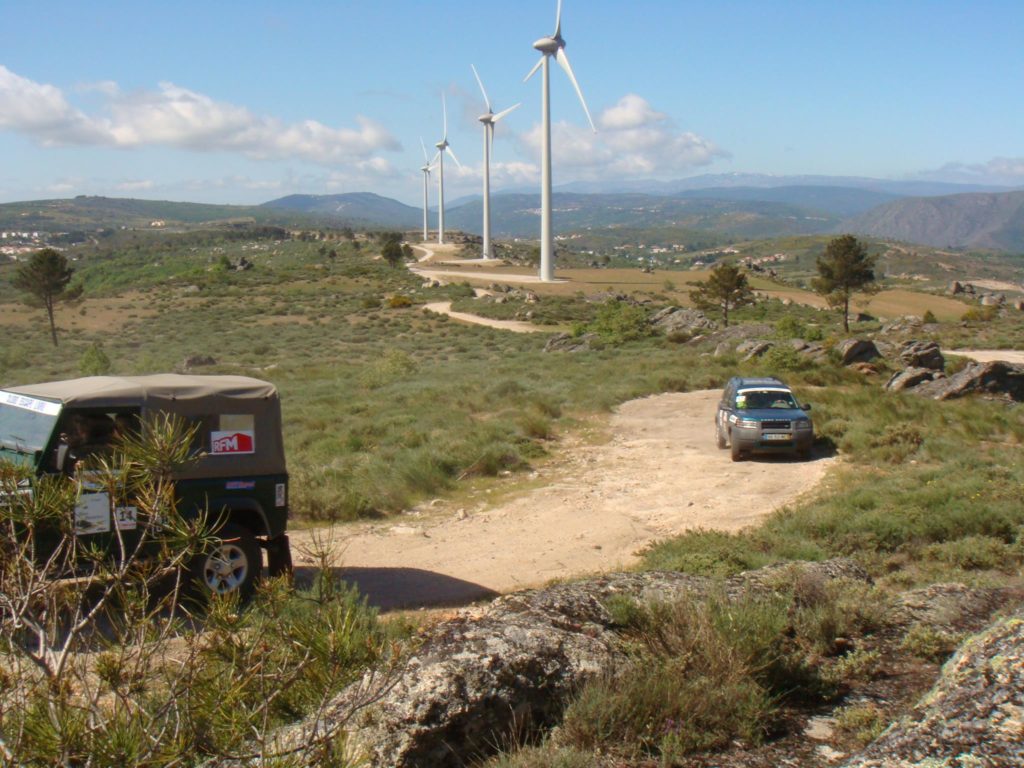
(92, 513)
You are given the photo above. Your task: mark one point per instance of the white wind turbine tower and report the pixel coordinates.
(550, 46)
(488, 120)
(442, 147)
(428, 166)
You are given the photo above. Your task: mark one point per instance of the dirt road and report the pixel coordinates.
(592, 510)
(988, 355)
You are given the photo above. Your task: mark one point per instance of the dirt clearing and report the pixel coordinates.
(595, 508)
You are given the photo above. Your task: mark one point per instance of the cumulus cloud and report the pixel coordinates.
(174, 116)
(633, 140)
(43, 112)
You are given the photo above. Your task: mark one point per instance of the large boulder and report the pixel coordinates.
(974, 716)
(995, 378)
(513, 666)
(910, 378)
(857, 351)
(922, 354)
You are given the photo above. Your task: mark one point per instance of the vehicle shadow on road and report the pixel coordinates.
(397, 588)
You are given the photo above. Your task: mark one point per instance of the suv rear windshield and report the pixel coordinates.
(758, 399)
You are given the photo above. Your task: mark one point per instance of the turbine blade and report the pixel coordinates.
(535, 68)
(558, 20)
(504, 112)
(449, 151)
(564, 61)
(444, 112)
(433, 163)
(481, 84)
(426, 157)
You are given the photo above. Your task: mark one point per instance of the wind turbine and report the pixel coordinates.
(442, 147)
(548, 47)
(488, 120)
(428, 166)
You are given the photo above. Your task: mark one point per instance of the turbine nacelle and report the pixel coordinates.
(549, 45)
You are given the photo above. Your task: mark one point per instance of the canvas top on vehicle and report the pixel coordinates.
(252, 441)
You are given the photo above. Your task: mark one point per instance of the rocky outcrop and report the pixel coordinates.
(922, 354)
(995, 378)
(513, 666)
(974, 716)
(754, 349)
(674, 320)
(566, 342)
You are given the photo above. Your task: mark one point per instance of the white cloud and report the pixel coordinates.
(173, 116)
(1007, 171)
(42, 111)
(633, 140)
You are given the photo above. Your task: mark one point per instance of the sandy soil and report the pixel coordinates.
(516, 326)
(988, 355)
(593, 509)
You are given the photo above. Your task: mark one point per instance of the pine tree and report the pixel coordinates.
(844, 269)
(726, 288)
(45, 277)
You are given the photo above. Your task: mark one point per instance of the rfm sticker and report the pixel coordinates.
(232, 442)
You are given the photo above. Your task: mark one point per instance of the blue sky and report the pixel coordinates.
(244, 102)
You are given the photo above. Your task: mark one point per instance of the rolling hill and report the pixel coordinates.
(352, 208)
(978, 221)
(90, 213)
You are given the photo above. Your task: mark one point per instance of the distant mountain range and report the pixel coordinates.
(740, 206)
(720, 181)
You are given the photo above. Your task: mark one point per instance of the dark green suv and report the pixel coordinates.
(239, 480)
(760, 415)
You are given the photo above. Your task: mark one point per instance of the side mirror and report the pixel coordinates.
(805, 407)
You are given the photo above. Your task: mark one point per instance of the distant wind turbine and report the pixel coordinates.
(550, 46)
(428, 166)
(442, 147)
(488, 120)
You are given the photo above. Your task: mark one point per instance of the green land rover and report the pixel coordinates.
(239, 480)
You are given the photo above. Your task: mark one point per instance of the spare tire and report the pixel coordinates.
(232, 565)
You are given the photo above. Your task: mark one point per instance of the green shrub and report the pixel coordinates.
(862, 723)
(782, 357)
(94, 361)
(618, 322)
(973, 553)
(399, 301)
(705, 553)
(929, 643)
(979, 314)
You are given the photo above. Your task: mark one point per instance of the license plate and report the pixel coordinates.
(776, 436)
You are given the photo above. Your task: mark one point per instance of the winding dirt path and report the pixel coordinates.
(593, 509)
(990, 355)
